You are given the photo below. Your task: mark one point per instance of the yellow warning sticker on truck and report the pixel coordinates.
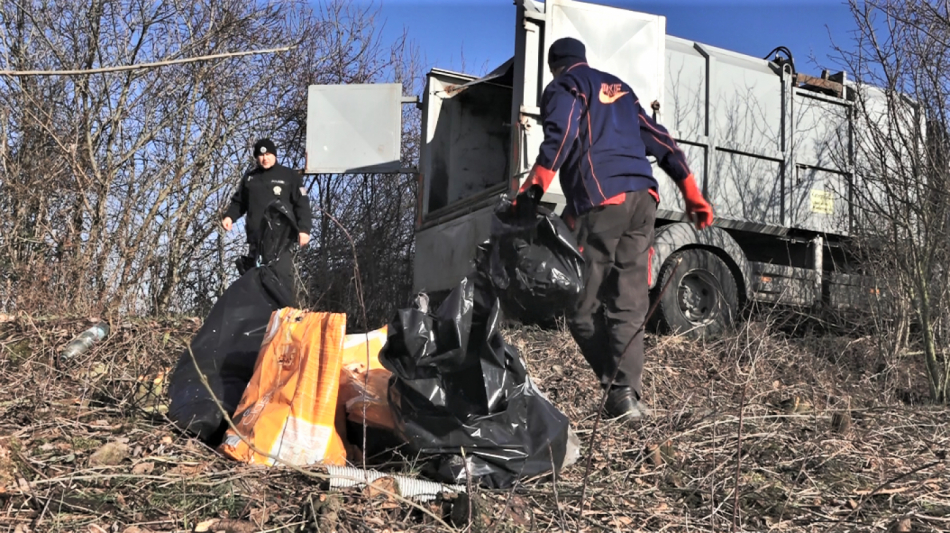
(822, 202)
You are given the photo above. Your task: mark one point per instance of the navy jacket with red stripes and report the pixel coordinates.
(598, 135)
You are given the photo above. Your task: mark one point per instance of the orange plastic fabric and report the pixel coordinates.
(289, 408)
(354, 397)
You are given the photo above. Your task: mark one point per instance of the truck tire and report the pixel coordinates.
(702, 297)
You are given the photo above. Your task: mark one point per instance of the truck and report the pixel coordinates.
(771, 148)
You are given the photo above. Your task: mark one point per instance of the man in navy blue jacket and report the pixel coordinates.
(598, 136)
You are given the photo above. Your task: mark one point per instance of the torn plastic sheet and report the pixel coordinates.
(459, 388)
(409, 487)
(533, 264)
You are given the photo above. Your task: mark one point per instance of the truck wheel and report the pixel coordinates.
(702, 298)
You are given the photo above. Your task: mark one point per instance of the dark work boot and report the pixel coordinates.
(622, 402)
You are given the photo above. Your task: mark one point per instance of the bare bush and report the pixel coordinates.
(902, 200)
(113, 182)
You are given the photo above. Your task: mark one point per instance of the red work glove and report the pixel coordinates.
(539, 179)
(698, 209)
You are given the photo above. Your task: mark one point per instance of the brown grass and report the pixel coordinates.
(677, 472)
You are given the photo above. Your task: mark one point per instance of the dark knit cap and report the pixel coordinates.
(264, 146)
(565, 52)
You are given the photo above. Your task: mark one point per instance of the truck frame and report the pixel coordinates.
(770, 147)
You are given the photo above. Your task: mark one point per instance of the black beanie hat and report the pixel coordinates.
(264, 146)
(565, 52)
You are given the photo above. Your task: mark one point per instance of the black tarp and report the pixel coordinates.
(458, 385)
(227, 344)
(533, 263)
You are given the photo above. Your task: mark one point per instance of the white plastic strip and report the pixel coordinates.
(412, 488)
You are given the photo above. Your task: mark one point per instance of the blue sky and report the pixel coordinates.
(479, 34)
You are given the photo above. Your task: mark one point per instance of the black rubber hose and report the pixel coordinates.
(788, 54)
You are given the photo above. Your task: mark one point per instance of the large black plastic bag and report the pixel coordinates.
(227, 344)
(533, 263)
(457, 385)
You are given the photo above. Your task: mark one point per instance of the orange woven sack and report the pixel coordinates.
(289, 406)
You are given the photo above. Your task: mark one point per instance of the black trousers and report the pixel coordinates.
(607, 320)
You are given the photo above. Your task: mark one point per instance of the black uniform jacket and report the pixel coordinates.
(260, 187)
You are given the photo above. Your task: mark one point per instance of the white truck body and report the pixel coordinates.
(770, 147)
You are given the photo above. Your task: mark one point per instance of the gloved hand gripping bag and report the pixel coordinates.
(533, 264)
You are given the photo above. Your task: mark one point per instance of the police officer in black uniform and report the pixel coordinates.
(260, 187)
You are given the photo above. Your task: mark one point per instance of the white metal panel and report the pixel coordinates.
(685, 109)
(821, 131)
(818, 201)
(745, 188)
(685, 114)
(354, 128)
(628, 44)
(747, 103)
(879, 165)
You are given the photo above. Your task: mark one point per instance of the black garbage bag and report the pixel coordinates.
(227, 344)
(533, 263)
(457, 385)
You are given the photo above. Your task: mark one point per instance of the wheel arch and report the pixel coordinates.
(672, 238)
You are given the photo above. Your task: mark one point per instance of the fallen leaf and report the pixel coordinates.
(902, 525)
(110, 454)
(261, 515)
(93, 528)
(143, 468)
(136, 529)
(186, 470)
(97, 370)
(218, 525)
(166, 440)
(68, 458)
(7, 468)
(382, 487)
(204, 527)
